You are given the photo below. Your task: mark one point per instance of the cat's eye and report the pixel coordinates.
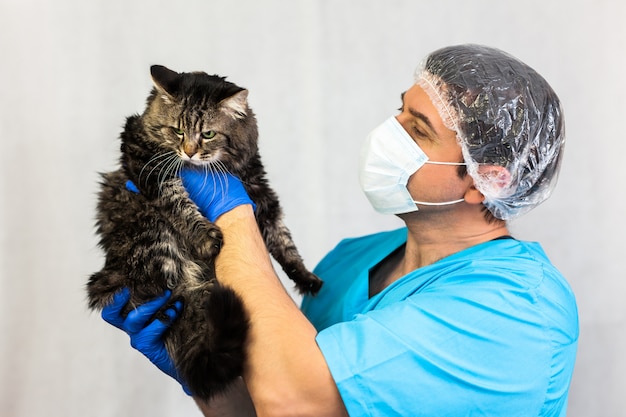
(210, 134)
(179, 132)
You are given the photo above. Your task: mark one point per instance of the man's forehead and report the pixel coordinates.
(418, 103)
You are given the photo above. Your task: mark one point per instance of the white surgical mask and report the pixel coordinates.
(388, 158)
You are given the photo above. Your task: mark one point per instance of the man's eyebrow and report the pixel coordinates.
(417, 114)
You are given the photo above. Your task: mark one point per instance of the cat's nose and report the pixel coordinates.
(190, 149)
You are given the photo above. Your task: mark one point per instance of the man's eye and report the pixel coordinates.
(420, 132)
(209, 134)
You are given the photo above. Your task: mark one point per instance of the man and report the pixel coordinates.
(449, 316)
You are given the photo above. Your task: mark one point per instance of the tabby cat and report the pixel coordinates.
(156, 239)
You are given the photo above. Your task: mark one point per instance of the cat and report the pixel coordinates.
(155, 238)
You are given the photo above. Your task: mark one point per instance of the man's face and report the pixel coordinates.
(421, 120)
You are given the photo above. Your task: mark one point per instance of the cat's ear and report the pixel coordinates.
(236, 106)
(165, 80)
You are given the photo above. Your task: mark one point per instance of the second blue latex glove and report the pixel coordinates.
(146, 334)
(214, 193)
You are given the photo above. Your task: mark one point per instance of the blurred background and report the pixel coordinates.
(321, 75)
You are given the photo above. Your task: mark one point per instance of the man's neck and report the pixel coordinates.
(431, 241)
(432, 237)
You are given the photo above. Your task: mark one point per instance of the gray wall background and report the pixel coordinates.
(321, 75)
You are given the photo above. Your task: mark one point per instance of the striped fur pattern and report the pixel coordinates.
(157, 239)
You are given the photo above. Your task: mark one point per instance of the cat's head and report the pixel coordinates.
(203, 118)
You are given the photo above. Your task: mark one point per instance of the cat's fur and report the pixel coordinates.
(157, 239)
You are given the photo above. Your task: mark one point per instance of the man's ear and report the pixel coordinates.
(493, 180)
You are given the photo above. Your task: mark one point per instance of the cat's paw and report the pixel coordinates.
(212, 243)
(306, 281)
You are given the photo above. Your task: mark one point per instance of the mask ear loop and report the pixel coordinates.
(446, 163)
(443, 203)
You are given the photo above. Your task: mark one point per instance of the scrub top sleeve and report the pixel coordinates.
(353, 362)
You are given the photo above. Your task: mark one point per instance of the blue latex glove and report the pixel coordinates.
(130, 186)
(146, 335)
(214, 193)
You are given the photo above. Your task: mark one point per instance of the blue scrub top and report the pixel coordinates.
(488, 331)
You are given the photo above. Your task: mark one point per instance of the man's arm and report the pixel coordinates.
(286, 373)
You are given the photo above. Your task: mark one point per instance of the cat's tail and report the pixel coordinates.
(214, 352)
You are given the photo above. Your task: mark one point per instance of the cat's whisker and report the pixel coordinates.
(176, 167)
(216, 177)
(171, 169)
(159, 156)
(207, 169)
(222, 167)
(156, 157)
(164, 157)
(221, 170)
(162, 173)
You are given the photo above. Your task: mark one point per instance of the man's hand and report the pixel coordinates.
(214, 193)
(146, 333)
